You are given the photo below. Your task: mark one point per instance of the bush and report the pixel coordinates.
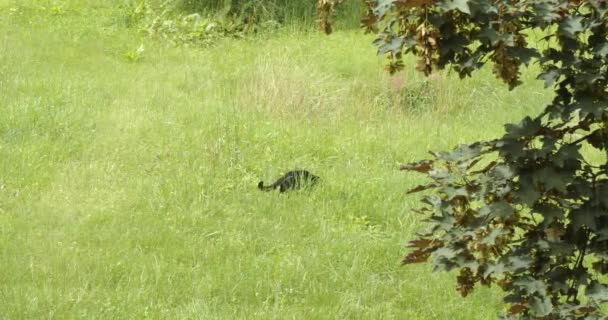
(257, 10)
(166, 21)
(281, 11)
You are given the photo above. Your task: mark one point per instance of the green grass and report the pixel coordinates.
(128, 189)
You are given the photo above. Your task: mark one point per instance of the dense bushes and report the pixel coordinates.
(283, 11)
(278, 10)
(202, 22)
(168, 21)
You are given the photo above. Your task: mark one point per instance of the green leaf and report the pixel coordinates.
(524, 55)
(519, 263)
(513, 149)
(460, 5)
(490, 239)
(540, 306)
(527, 127)
(545, 10)
(600, 6)
(496, 269)
(382, 7)
(489, 34)
(597, 291)
(585, 216)
(456, 43)
(589, 78)
(566, 155)
(549, 76)
(601, 49)
(392, 46)
(558, 278)
(531, 285)
(446, 253)
(482, 7)
(444, 222)
(550, 212)
(570, 26)
(588, 105)
(461, 153)
(602, 193)
(552, 179)
(598, 139)
(498, 209)
(502, 172)
(443, 259)
(452, 193)
(527, 192)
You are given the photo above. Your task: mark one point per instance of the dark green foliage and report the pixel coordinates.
(528, 211)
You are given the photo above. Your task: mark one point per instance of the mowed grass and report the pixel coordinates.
(128, 189)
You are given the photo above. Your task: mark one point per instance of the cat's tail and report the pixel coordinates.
(262, 187)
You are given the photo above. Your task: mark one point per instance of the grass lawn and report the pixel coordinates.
(128, 188)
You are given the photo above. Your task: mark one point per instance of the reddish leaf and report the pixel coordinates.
(421, 210)
(423, 187)
(486, 168)
(369, 21)
(473, 163)
(517, 308)
(420, 243)
(586, 309)
(417, 256)
(422, 166)
(425, 248)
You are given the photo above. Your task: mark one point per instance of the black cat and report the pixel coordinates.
(291, 180)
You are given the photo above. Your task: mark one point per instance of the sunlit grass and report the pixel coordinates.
(128, 189)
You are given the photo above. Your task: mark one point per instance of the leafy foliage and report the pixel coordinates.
(135, 55)
(528, 211)
(166, 21)
(259, 10)
(302, 13)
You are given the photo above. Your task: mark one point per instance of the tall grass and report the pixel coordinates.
(128, 187)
